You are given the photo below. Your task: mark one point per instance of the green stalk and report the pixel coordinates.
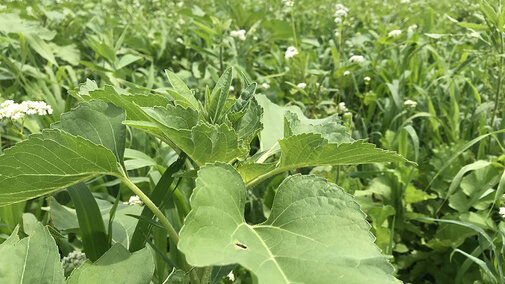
(163, 220)
(263, 177)
(500, 75)
(293, 25)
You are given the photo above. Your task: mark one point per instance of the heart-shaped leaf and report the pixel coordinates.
(315, 233)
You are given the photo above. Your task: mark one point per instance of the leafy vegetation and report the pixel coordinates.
(225, 141)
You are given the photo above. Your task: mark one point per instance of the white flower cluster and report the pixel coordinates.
(412, 28)
(367, 79)
(134, 200)
(301, 85)
(347, 73)
(265, 85)
(290, 52)
(240, 34)
(340, 13)
(11, 110)
(502, 212)
(356, 59)
(341, 107)
(288, 3)
(73, 260)
(394, 33)
(410, 103)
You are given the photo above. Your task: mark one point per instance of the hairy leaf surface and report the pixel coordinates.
(303, 240)
(50, 161)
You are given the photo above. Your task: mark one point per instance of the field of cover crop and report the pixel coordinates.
(252, 141)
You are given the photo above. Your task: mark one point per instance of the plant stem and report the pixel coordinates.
(163, 220)
(293, 26)
(263, 177)
(500, 75)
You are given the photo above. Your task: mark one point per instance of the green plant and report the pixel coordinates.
(216, 136)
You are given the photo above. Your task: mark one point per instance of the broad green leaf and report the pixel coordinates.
(99, 122)
(83, 91)
(247, 122)
(182, 95)
(70, 53)
(12, 23)
(50, 161)
(203, 142)
(306, 150)
(330, 127)
(309, 150)
(218, 97)
(477, 188)
(127, 60)
(315, 233)
(41, 47)
(34, 259)
(131, 103)
(117, 265)
(273, 121)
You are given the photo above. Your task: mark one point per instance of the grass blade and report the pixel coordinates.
(94, 237)
(158, 195)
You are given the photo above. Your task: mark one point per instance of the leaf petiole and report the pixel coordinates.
(163, 220)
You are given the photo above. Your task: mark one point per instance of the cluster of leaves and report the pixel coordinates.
(448, 58)
(303, 219)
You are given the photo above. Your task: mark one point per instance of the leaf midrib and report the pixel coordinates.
(272, 257)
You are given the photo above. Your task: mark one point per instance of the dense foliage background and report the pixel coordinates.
(422, 78)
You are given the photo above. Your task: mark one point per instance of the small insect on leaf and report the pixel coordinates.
(240, 245)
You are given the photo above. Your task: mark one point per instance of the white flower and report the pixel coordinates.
(412, 27)
(232, 88)
(347, 115)
(356, 59)
(134, 200)
(179, 40)
(502, 211)
(265, 85)
(240, 34)
(340, 13)
(410, 103)
(367, 79)
(347, 73)
(301, 85)
(341, 7)
(180, 4)
(231, 276)
(290, 52)
(394, 33)
(337, 33)
(338, 20)
(404, 1)
(288, 3)
(11, 110)
(341, 107)
(73, 260)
